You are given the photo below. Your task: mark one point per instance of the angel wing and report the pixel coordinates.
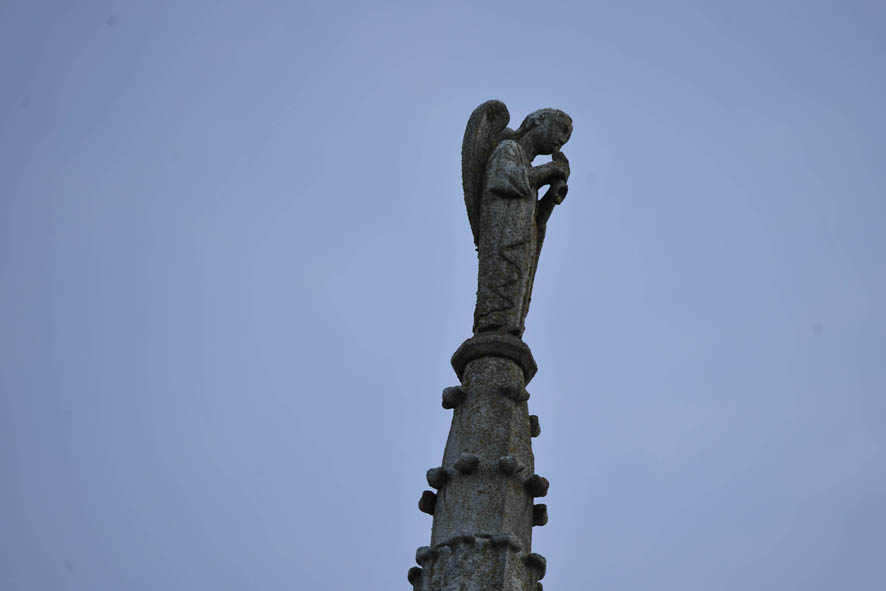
(486, 127)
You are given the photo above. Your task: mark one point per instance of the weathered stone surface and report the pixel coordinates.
(484, 513)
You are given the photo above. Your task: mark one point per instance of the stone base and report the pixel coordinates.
(493, 344)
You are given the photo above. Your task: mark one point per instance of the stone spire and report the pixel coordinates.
(486, 491)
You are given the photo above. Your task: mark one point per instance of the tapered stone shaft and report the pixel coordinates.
(489, 425)
(484, 513)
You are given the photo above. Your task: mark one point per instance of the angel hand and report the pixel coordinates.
(559, 160)
(548, 173)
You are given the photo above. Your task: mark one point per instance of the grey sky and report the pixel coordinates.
(235, 261)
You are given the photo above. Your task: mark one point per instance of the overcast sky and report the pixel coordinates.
(235, 262)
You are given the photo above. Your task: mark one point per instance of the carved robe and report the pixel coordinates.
(508, 240)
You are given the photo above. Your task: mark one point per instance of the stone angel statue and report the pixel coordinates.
(507, 218)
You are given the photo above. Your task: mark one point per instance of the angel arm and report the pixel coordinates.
(553, 196)
(553, 174)
(507, 174)
(558, 168)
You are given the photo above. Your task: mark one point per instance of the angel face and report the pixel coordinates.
(552, 132)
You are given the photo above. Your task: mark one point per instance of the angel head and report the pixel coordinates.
(546, 130)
